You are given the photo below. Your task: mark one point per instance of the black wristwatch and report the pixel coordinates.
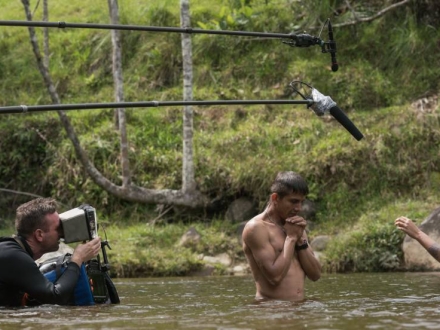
(303, 246)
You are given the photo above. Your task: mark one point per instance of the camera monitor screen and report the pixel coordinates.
(79, 224)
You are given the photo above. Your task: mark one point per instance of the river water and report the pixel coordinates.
(336, 301)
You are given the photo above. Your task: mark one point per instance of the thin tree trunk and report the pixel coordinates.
(119, 91)
(46, 33)
(188, 181)
(130, 193)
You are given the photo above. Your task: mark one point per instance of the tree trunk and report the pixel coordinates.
(119, 91)
(188, 181)
(46, 33)
(130, 192)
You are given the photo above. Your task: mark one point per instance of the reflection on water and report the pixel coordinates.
(351, 301)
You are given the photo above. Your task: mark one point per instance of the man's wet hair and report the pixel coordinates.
(289, 182)
(30, 216)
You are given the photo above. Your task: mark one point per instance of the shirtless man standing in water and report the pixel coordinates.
(275, 243)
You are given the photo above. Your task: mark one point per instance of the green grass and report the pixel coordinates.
(155, 250)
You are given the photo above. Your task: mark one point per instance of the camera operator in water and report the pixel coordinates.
(38, 230)
(275, 242)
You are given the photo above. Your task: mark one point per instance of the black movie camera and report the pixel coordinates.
(79, 224)
(95, 285)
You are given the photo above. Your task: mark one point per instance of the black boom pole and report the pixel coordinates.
(98, 26)
(298, 40)
(149, 104)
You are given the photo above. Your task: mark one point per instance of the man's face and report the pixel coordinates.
(52, 235)
(289, 205)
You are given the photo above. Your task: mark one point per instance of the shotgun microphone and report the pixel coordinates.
(324, 104)
(332, 47)
(342, 118)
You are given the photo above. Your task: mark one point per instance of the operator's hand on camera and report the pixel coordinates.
(86, 251)
(295, 226)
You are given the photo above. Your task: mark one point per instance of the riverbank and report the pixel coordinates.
(145, 249)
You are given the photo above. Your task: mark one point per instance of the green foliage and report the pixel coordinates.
(375, 248)
(25, 159)
(230, 18)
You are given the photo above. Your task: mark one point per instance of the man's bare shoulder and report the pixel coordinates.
(255, 226)
(255, 222)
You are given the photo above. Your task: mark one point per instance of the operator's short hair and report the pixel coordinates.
(30, 216)
(289, 182)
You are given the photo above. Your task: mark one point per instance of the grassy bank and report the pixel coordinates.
(139, 250)
(358, 187)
